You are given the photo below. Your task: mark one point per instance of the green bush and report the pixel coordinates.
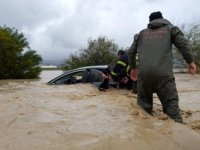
(17, 60)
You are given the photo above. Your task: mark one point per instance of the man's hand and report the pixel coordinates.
(104, 76)
(124, 80)
(192, 68)
(134, 74)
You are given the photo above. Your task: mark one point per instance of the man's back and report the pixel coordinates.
(155, 49)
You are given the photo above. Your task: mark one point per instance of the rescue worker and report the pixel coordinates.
(155, 71)
(120, 73)
(121, 67)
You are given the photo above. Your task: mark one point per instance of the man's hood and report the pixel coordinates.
(158, 23)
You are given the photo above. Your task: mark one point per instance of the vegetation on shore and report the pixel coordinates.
(17, 59)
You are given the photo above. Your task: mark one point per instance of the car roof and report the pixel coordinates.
(98, 67)
(91, 67)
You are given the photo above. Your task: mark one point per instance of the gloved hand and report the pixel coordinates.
(134, 74)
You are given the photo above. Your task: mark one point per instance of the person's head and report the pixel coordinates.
(155, 15)
(120, 53)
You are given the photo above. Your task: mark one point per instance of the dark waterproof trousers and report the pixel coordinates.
(165, 88)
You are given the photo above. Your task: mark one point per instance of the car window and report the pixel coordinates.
(71, 78)
(94, 75)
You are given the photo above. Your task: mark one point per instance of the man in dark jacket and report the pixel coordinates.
(121, 66)
(155, 71)
(119, 73)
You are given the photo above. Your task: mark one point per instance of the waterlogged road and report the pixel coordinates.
(37, 116)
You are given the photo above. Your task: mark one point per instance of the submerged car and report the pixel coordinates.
(89, 74)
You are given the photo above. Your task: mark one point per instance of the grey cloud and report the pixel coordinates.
(18, 13)
(56, 28)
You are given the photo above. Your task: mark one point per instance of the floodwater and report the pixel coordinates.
(37, 116)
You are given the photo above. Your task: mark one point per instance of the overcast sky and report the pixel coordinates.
(55, 28)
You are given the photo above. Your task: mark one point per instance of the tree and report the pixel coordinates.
(192, 34)
(100, 51)
(15, 62)
(73, 61)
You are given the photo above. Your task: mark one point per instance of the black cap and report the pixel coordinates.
(155, 15)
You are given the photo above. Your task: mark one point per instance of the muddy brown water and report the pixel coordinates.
(37, 116)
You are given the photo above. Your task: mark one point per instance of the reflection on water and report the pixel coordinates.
(35, 115)
(49, 74)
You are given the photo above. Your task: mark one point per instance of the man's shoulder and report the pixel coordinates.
(141, 32)
(136, 36)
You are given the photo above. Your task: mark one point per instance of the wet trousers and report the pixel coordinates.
(165, 88)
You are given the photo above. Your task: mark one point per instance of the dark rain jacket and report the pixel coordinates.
(154, 48)
(121, 68)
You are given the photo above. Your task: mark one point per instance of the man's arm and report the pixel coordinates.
(132, 52)
(132, 57)
(182, 44)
